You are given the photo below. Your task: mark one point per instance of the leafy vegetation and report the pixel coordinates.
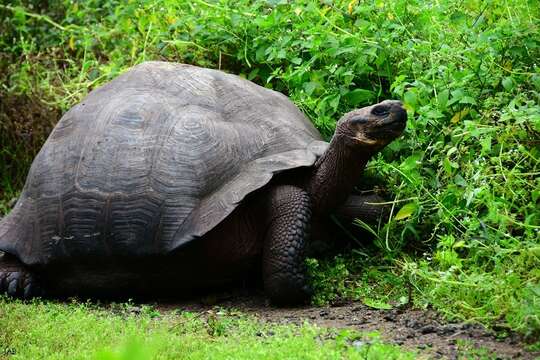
(464, 235)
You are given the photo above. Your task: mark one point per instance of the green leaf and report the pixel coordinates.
(534, 250)
(459, 180)
(260, 53)
(457, 95)
(535, 79)
(359, 96)
(412, 162)
(296, 60)
(459, 244)
(377, 304)
(447, 166)
(406, 211)
(535, 120)
(442, 99)
(459, 115)
(310, 87)
(333, 101)
(411, 100)
(508, 83)
(253, 74)
(535, 195)
(452, 150)
(467, 100)
(485, 142)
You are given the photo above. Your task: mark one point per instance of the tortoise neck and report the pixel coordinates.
(335, 174)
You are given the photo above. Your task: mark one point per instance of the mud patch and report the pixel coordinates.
(422, 330)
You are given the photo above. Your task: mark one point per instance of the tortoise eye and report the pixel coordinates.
(380, 110)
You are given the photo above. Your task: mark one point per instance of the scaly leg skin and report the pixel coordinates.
(363, 207)
(15, 280)
(284, 273)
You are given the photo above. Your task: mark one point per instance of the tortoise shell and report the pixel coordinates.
(151, 161)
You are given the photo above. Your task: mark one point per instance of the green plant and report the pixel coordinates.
(464, 179)
(48, 330)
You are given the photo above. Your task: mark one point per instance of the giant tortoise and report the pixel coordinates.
(172, 178)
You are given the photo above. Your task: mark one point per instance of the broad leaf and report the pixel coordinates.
(406, 211)
(359, 96)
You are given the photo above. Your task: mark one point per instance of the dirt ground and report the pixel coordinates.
(422, 330)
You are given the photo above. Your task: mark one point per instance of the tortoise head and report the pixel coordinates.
(373, 126)
(359, 135)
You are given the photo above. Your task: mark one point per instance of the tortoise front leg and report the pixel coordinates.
(16, 280)
(284, 273)
(368, 208)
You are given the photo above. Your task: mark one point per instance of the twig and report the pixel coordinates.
(389, 220)
(392, 202)
(45, 18)
(223, 8)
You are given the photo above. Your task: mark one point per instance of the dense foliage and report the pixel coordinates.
(464, 235)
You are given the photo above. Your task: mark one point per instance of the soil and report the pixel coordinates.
(421, 330)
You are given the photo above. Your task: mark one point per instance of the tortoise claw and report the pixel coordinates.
(12, 284)
(16, 281)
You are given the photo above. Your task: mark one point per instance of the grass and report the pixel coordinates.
(47, 330)
(464, 179)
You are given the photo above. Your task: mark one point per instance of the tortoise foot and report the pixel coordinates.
(284, 272)
(17, 281)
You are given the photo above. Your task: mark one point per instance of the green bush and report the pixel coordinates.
(465, 225)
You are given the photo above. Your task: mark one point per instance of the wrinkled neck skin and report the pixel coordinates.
(336, 173)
